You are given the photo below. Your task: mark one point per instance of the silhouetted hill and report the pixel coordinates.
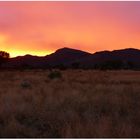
(128, 58)
(65, 56)
(72, 58)
(62, 57)
(27, 61)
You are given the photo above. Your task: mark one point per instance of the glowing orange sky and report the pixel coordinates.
(40, 28)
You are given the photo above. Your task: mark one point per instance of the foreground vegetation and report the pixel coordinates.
(69, 104)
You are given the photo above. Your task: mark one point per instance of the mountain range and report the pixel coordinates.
(71, 58)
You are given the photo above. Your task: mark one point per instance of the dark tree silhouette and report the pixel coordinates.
(75, 65)
(109, 65)
(4, 56)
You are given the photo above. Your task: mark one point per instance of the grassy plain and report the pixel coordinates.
(70, 104)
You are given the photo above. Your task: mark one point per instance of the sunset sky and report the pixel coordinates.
(40, 28)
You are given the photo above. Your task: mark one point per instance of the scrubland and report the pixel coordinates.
(69, 104)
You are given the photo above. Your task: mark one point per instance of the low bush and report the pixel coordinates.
(55, 74)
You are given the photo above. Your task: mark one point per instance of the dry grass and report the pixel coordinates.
(76, 104)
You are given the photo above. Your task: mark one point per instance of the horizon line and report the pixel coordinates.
(72, 49)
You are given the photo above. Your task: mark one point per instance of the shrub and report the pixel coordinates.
(109, 65)
(26, 85)
(55, 74)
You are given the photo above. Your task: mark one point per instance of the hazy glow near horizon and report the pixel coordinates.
(39, 28)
